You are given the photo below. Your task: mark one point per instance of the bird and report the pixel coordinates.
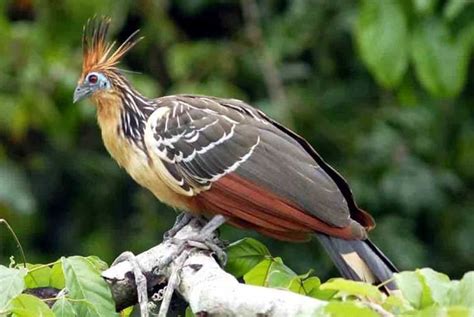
(228, 161)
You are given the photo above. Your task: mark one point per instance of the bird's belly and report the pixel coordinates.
(144, 175)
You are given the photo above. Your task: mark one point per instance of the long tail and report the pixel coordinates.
(359, 260)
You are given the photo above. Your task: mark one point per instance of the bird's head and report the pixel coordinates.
(99, 61)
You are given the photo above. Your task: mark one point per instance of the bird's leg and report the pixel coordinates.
(212, 225)
(173, 283)
(182, 220)
(140, 280)
(206, 238)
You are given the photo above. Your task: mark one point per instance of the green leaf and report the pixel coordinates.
(440, 58)
(127, 311)
(306, 275)
(424, 287)
(98, 264)
(359, 289)
(382, 39)
(439, 285)
(396, 304)
(258, 274)
(281, 276)
(56, 278)
(296, 286)
(38, 277)
(311, 284)
(437, 311)
(25, 305)
(244, 254)
(462, 293)
(12, 283)
(311, 288)
(272, 273)
(410, 285)
(84, 282)
(344, 309)
(63, 308)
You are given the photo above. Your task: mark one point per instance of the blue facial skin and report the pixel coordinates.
(92, 82)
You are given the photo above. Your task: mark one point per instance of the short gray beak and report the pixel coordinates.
(80, 93)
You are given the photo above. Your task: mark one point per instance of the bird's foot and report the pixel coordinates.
(213, 244)
(140, 280)
(182, 220)
(208, 239)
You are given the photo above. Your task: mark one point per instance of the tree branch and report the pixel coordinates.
(203, 284)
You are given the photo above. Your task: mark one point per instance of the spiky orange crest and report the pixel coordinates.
(98, 54)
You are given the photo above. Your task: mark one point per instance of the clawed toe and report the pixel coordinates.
(212, 244)
(182, 220)
(140, 279)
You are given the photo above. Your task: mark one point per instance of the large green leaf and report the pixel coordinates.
(424, 287)
(396, 304)
(410, 286)
(462, 293)
(56, 278)
(353, 288)
(281, 276)
(312, 288)
(258, 275)
(345, 309)
(25, 305)
(438, 311)
(12, 283)
(98, 263)
(382, 39)
(273, 273)
(38, 275)
(84, 283)
(439, 285)
(63, 308)
(440, 58)
(244, 254)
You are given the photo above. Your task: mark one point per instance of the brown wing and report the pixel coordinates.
(206, 142)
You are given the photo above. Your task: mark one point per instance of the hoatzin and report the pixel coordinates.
(223, 158)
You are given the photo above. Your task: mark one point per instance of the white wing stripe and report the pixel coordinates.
(231, 168)
(210, 146)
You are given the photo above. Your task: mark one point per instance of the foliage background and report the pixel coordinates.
(382, 89)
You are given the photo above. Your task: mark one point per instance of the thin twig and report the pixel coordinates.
(16, 239)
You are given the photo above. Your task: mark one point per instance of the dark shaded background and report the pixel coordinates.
(404, 142)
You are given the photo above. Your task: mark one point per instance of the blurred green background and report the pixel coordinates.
(383, 90)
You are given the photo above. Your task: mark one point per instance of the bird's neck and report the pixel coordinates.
(122, 116)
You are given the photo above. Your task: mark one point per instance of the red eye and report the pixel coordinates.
(92, 78)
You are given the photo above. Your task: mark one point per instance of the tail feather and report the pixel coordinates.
(359, 260)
